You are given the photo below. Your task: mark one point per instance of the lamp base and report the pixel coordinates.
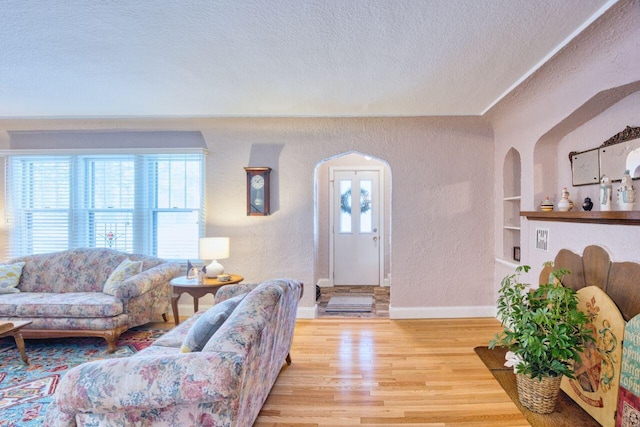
(213, 269)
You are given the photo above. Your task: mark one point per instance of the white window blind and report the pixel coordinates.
(140, 203)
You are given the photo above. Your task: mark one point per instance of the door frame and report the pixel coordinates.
(381, 210)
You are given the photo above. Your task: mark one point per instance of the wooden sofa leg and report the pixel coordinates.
(165, 317)
(112, 339)
(111, 343)
(288, 359)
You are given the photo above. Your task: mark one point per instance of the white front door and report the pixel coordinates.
(356, 226)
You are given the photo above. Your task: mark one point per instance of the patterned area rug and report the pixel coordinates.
(349, 304)
(25, 391)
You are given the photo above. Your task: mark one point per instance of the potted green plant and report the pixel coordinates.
(544, 331)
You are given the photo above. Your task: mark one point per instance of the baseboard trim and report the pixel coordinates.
(325, 283)
(307, 312)
(441, 312)
(186, 310)
(185, 304)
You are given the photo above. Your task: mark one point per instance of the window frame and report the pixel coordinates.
(82, 204)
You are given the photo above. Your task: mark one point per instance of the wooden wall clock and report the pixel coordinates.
(258, 191)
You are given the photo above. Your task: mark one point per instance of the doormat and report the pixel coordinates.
(349, 304)
(567, 412)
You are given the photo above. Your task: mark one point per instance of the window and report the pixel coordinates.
(140, 203)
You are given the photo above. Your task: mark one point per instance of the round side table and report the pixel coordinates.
(181, 285)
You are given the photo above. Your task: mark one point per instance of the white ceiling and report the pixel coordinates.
(90, 58)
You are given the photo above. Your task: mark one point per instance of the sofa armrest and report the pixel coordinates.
(147, 382)
(230, 291)
(145, 281)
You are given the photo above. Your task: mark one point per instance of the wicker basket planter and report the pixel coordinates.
(539, 396)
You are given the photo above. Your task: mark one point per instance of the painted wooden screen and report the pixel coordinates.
(597, 381)
(628, 414)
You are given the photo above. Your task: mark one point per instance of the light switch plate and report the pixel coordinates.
(542, 239)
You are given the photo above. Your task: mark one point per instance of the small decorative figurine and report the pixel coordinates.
(588, 204)
(563, 204)
(192, 272)
(546, 205)
(605, 193)
(626, 192)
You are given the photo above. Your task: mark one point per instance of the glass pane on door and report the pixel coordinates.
(366, 187)
(345, 206)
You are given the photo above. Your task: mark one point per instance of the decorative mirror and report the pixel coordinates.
(612, 158)
(585, 167)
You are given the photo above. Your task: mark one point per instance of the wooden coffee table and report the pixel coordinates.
(181, 285)
(14, 332)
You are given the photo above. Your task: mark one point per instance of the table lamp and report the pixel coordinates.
(214, 248)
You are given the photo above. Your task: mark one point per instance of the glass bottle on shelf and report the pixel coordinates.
(605, 193)
(563, 204)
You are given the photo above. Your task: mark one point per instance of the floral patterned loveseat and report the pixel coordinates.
(62, 294)
(225, 384)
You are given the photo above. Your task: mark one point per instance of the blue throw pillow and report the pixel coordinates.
(208, 323)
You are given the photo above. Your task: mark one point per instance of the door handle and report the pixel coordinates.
(375, 238)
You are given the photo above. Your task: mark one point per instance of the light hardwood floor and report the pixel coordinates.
(382, 372)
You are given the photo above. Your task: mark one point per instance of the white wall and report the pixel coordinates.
(441, 247)
(441, 204)
(580, 98)
(591, 135)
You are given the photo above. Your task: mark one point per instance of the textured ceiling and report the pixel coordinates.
(90, 58)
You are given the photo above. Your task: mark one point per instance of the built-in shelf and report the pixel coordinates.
(511, 199)
(595, 217)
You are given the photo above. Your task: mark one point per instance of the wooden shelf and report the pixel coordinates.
(594, 217)
(509, 263)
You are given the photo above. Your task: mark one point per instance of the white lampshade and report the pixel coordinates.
(214, 248)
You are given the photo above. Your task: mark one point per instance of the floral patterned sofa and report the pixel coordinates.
(225, 384)
(62, 294)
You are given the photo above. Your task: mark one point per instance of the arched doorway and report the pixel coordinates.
(353, 233)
